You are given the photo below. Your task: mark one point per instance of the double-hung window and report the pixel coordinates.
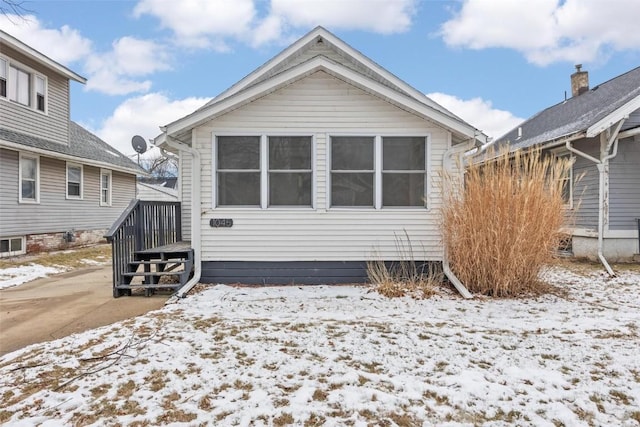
(74, 181)
(21, 85)
(378, 171)
(264, 171)
(29, 178)
(105, 188)
(566, 180)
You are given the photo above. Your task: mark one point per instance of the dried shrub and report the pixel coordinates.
(505, 222)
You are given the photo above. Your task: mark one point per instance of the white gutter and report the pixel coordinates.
(447, 165)
(602, 164)
(195, 212)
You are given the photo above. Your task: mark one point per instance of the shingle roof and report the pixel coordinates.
(82, 145)
(576, 114)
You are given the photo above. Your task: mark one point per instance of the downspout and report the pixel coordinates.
(602, 165)
(447, 165)
(195, 212)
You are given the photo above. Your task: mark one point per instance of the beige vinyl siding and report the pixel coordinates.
(56, 213)
(54, 125)
(624, 186)
(320, 105)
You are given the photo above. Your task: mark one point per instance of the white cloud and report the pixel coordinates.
(201, 23)
(479, 113)
(547, 31)
(143, 116)
(111, 72)
(64, 45)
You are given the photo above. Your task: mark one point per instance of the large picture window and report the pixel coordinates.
(352, 171)
(378, 171)
(238, 170)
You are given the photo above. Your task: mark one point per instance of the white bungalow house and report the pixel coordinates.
(315, 163)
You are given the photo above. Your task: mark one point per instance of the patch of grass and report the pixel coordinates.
(156, 380)
(621, 397)
(99, 390)
(285, 419)
(319, 395)
(407, 277)
(439, 399)
(598, 401)
(315, 420)
(72, 258)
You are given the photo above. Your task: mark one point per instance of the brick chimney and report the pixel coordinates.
(579, 81)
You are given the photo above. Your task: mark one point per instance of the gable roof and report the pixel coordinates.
(9, 40)
(589, 114)
(320, 50)
(84, 147)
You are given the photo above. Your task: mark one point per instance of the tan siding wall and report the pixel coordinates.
(54, 125)
(55, 213)
(320, 105)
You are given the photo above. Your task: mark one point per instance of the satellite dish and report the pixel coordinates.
(139, 144)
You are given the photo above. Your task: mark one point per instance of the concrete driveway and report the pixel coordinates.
(60, 305)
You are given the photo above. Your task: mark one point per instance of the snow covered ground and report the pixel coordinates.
(345, 356)
(14, 276)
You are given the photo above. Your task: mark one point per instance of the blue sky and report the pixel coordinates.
(492, 62)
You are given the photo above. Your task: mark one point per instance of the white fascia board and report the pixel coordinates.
(336, 70)
(42, 59)
(348, 50)
(53, 154)
(613, 118)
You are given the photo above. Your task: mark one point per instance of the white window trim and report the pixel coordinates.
(378, 167)
(561, 153)
(33, 97)
(264, 170)
(10, 253)
(110, 201)
(37, 159)
(74, 165)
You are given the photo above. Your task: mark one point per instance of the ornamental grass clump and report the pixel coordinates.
(504, 224)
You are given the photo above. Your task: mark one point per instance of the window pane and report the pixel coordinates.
(403, 153)
(105, 181)
(28, 168)
(239, 188)
(28, 189)
(23, 88)
(289, 152)
(352, 189)
(73, 174)
(3, 68)
(290, 189)
(40, 85)
(403, 189)
(16, 245)
(238, 152)
(73, 189)
(4, 245)
(351, 153)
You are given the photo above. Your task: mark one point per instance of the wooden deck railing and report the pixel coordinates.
(142, 225)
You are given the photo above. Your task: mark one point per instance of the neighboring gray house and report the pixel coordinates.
(155, 192)
(59, 184)
(313, 164)
(600, 129)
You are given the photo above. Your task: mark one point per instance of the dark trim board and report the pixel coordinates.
(287, 272)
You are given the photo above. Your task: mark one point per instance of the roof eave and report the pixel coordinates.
(42, 59)
(614, 117)
(335, 69)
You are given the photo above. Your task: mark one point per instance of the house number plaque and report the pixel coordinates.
(221, 222)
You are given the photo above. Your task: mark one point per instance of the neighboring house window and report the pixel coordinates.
(566, 180)
(262, 171)
(290, 173)
(74, 181)
(352, 171)
(10, 246)
(3, 78)
(378, 172)
(29, 178)
(238, 170)
(404, 171)
(21, 85)
(105, 188)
